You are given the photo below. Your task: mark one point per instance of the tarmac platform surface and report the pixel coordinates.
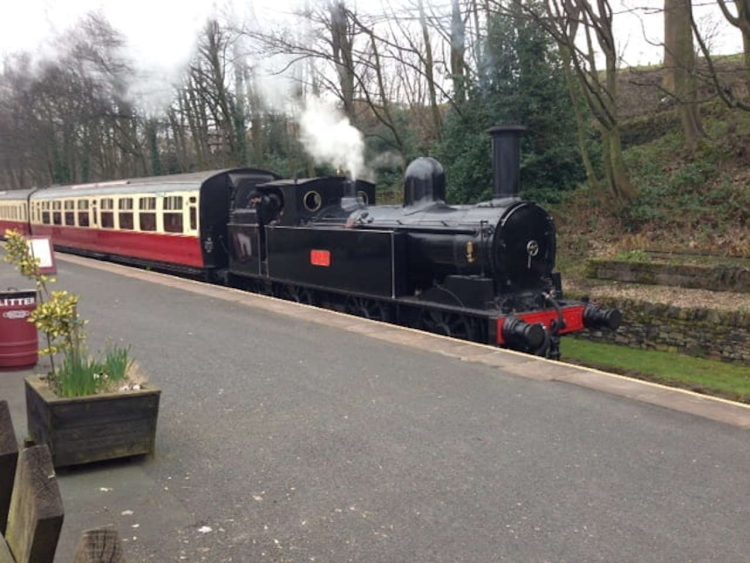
(288, 433)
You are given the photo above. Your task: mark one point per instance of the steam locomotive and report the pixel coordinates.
(481, 272)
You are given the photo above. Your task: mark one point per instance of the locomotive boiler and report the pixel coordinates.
(482, 272)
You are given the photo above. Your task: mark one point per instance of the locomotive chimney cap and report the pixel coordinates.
(506, 129)
(506, 160)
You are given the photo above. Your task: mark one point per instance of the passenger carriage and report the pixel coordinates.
(14, 211)
(175, 222)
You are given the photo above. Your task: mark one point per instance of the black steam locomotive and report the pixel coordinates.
(481, 272)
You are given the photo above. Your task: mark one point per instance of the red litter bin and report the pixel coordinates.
(19, 341)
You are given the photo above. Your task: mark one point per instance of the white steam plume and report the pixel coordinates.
(329, 138)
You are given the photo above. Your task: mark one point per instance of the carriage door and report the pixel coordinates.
(193, 215)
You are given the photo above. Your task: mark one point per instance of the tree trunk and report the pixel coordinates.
(458, 48)
(343, 56)
(679, 67)
(437, 121)
(581, 125)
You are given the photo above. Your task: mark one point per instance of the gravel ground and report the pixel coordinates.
(677, 296)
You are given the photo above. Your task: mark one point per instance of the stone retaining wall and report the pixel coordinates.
(715, 277)
(696, 331)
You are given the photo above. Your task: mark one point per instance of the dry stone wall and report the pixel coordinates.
(696, 331)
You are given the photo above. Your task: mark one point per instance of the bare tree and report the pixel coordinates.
(729, 95)
(581, 27)
(458, 52)
(342, 46)
(740, 20)
(72, 114)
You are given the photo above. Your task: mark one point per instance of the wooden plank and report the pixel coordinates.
(86, 429)
(8, 461)
(100, 545)
(36, 511)
(5, 556)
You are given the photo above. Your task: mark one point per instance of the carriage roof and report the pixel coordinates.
(8, 195)
(146, 185)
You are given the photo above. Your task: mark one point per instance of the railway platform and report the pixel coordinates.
(288, 433)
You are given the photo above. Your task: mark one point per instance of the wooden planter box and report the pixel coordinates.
(93, 428)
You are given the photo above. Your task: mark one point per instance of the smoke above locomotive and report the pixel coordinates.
(330, 138)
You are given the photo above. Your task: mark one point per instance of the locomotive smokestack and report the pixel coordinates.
(506, 160)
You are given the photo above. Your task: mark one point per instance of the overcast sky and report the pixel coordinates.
(162, 32)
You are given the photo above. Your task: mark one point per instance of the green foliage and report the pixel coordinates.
(647, 128)
(634, 256)
(58, 319)
(81, 375)
(274, 147)
(520, 82)
(117, 363)
(78, 376)
(679, 192)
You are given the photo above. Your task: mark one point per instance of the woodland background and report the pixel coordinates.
(652, 156)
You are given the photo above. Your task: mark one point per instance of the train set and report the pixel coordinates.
(482, 272)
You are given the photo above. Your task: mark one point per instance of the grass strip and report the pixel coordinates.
(730, 381)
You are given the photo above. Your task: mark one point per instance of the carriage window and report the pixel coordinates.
(173, 214)
(46, 217)
(125, 205)
(147, 215)
(83, 213)
(107, 211)
(57, 212)
(193, 218)
(70, 214)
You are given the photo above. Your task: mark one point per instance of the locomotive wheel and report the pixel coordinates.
(454, 325)
(368, 309)
(297, 294)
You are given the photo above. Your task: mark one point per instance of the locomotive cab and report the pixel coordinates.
(270, 213)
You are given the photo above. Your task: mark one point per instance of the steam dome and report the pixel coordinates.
(424, 182)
